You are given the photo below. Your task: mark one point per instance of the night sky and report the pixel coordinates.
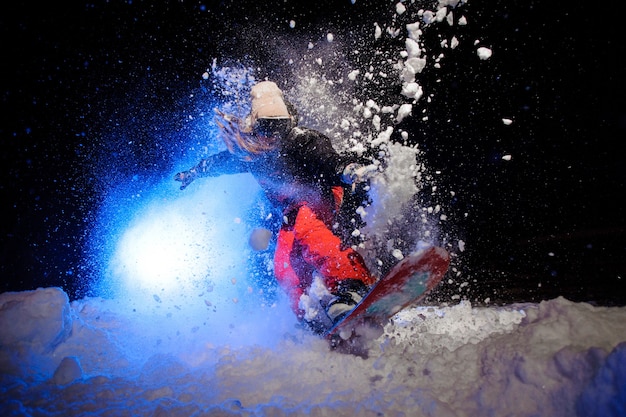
(107, 84)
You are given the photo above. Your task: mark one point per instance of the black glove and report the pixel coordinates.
(186, 177)
(356, 173)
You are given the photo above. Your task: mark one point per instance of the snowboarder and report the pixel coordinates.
(302, 174)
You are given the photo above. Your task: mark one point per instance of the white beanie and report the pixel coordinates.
(267, 101)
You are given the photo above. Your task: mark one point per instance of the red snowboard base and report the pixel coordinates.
(406, 284)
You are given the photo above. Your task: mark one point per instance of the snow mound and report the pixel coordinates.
(555, 358)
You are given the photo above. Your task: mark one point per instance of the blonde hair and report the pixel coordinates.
(267, 101)
(239, 138)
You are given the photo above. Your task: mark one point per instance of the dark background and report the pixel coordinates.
(87, 85)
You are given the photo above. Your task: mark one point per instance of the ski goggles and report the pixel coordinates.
(272, 126)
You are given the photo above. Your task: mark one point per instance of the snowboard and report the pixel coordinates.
(407, 283)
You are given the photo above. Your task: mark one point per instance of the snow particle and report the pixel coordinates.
(377, 31)
(259, 239)
(484, 53)
(412, 48)
(428, 17)
(403, 112)
(441, 14)
(412, 90)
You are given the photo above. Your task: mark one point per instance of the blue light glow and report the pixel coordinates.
(176, 254)
(177, 241)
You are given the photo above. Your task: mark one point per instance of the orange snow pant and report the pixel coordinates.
(306, 245)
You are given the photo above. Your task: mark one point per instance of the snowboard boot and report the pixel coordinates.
(315, 326)
(348, 294)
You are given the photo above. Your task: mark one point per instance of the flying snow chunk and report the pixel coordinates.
(450, 19)
(412, 48)
(330, 37)
(403, 112)
(260, 239)
(507, 121)
(484, 53)
(292, 24)
(400, 8)
(383, 137)
(441, 14)
(507, 157)
(414, 30)
(377, 31)
(428, 17)
(416, 64)
(412, 90)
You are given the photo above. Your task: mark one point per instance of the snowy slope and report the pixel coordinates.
(556, 358)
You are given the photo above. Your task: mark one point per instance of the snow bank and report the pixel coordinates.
(44, 318)
(556, 358)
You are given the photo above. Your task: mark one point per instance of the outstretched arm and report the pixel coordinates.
(215, 165)
(187, 177)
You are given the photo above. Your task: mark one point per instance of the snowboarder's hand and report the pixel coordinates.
(356, 173)
(185, 177)
(231, 125)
